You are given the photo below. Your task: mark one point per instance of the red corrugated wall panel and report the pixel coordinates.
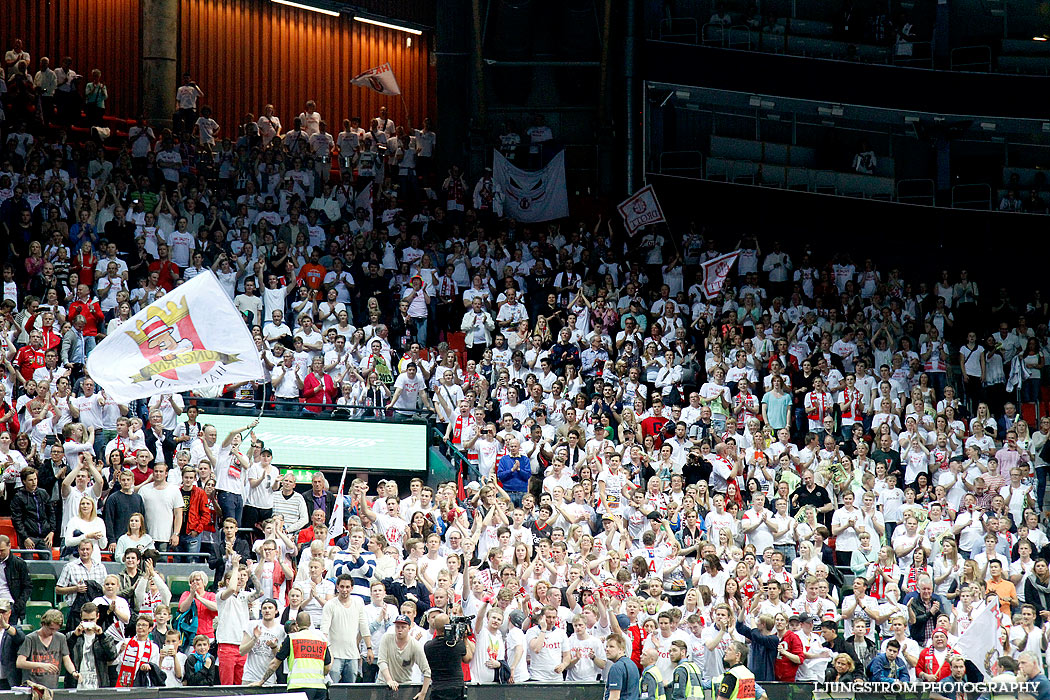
(101, 34)
(246, 53)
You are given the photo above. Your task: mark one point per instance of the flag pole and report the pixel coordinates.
(405, 107)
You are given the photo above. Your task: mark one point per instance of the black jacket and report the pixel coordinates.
(33, 514)
(105, 651)
(206, 676)
(1033, 596)
(167, 442)
(9, 655)
(329, 504)
(17, 574)
(217, 561)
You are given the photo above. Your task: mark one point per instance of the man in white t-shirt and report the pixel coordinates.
(260, 644)
(548, 656)
(408, 388)
(586, 654)
(164, 506)
(661, 642)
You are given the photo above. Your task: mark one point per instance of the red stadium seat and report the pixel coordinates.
(7, 527)
(1028, 414)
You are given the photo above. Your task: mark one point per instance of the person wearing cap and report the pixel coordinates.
(815, 656)
(309, 660)
(261, 642)
(398, 653)
(935, 660)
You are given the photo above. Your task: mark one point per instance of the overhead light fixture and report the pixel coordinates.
(988, 126)
(1044, 37)
(833, 110)
(388, 25)
(755, 101)
(311, 8)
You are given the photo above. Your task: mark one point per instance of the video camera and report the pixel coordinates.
(457, 628)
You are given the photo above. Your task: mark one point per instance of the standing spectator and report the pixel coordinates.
(164, 508)
(92, 652)
(45, 651)
(344, 624)
(232, 619)
(95, 96)
(186, 97)
(15, 585)
(33, 513)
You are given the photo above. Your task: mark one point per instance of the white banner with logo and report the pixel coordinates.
(532, 195)
(381, 79)
(715, 272)
(191, 337)
(640, 209)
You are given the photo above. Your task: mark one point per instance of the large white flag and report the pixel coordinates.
(640, 209)
(191, 337)
(532, 195)
(982, 635)
(381, 79)
(715, 272)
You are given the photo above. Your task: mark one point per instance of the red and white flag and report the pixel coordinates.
(640, 209)
(381, 79)
(190, 338)
(715, 272)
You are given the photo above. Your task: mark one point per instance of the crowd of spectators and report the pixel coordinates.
(826, 462)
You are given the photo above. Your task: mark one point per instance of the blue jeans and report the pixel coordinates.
(516, 496)
(232, 505)
(189, 545)
(344, 670)
(101, 438)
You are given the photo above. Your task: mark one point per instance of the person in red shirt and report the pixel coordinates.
(88, 307)
(790, 652)
(312, 274)
(30, 357)
(654, 424)
(52, 340)
(935, 661)
(318, 387)
(84, 262)
(166, 270)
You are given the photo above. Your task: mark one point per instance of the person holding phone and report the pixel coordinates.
(91, 652)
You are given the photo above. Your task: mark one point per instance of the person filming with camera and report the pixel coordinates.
(446, 653)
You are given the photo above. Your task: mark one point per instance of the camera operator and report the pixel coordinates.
(446, 662)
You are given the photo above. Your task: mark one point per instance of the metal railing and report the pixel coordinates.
(971, 58)
(274, 407)
(684, 163)
(714, 34)
(917, 191)
(972, 196)
(678, 29)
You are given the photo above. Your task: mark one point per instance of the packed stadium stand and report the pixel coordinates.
(778, 419)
